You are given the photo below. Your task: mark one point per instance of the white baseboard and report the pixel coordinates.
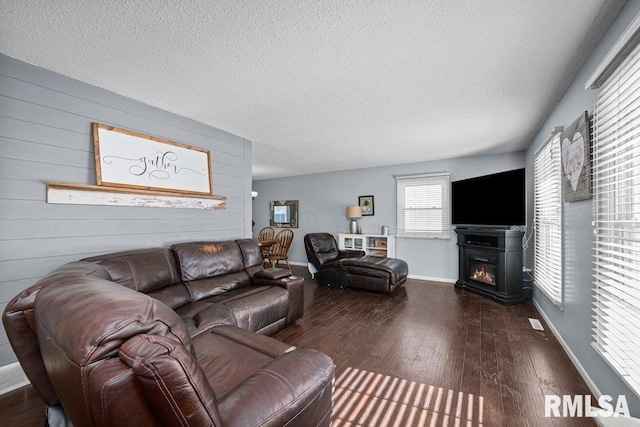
(431, 279)
(583, 373)
(12, 377)
(303, 264)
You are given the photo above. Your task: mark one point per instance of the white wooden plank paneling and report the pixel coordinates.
(113, 109)
(14, 149)
(34, 113)
(17, 229)
(45, 172)
(45, 136)
(44, 80)
(34, 132)
(14, 189)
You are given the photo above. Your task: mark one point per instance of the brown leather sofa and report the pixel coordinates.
(352, 268)
(170, 337)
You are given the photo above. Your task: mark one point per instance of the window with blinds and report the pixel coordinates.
(616, 210)
(547, 183)
(424, 206)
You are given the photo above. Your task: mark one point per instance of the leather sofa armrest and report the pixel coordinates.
(295, 286)
(349, 253)
(171, 380)
(19, 324)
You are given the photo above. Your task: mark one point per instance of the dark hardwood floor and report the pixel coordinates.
(427, 354)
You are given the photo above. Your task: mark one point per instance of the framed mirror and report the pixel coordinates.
(284, 213)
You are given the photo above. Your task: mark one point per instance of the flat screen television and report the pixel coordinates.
(496, 200)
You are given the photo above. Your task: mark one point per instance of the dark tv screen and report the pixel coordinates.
(490, 200)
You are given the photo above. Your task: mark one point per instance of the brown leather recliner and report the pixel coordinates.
(352, 268)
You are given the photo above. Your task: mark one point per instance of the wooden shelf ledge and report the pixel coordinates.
(81, 194)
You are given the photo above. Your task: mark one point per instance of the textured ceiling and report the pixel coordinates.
(326, 85)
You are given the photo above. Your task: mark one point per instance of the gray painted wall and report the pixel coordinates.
(324, 197)
(323, 200)
(574, 322)
(45, 136)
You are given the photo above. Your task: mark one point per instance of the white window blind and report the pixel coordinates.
(424, 206)
(616, 209)
(548, 219)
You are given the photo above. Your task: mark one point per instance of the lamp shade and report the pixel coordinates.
(354, 212)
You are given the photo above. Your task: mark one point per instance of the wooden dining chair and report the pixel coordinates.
(266, 236)
(280, 249)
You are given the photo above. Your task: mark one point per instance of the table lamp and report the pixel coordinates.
(354, 212)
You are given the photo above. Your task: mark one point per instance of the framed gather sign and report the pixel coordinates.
(134, 160)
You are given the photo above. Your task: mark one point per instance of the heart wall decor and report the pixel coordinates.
(573, 159)
(576, 160)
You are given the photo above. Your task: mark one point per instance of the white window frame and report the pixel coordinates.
(547, 221)
(616, 220)
(424, 206)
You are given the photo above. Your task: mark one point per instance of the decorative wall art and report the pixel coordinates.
(576, 160)
(134, 160)
(366, 203)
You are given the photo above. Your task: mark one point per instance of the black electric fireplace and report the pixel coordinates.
(490, 263)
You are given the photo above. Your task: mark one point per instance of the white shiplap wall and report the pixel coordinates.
(45, 136)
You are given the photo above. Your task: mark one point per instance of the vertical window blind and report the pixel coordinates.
(424, 206)
(616, 210)
(548, 219)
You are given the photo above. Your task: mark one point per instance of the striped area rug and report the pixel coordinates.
(363, 398)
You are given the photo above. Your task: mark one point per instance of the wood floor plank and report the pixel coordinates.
(427, 353)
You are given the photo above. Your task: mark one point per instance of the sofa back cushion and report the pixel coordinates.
(205, 288)
(203, 260)
(143, 270)
(81, 323)
(251, 255)
(320, 248)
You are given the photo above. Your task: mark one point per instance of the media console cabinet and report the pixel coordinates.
(380, 245)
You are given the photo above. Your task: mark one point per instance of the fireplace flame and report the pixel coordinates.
(482, 275)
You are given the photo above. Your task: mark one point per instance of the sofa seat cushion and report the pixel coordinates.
(336, 263)
(228, 355)
(232, 378)
(253, 308)
(300, 384)
(202, 316)
(257, 307)
(272, 273)
(394, 269)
